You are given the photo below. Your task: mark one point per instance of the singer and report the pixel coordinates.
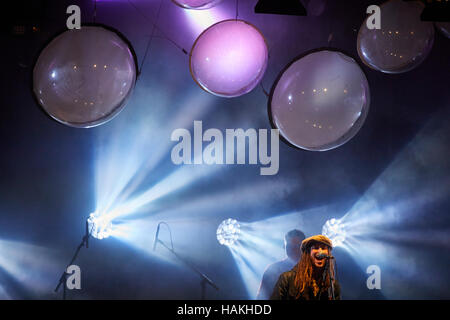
(313, 277)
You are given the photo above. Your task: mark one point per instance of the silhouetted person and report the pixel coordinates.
(292, 242)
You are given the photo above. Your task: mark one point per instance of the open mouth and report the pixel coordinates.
(319, 262)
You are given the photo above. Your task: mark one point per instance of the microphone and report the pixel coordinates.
(322, 256)
(156, 237)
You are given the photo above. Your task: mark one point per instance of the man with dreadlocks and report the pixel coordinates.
(310, 279)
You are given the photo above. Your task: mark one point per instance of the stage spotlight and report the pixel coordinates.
(99, 227)
(334, 229)
(288, 7)
(228, 232)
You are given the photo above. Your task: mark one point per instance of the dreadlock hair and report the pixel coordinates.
(305, 276)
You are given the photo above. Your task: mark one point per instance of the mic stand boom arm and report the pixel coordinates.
(204, 278)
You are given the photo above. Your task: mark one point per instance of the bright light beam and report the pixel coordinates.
(126, 155)
(32, 267)
(385, 227)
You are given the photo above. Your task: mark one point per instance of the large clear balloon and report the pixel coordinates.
(320, 101)
(403, 41)
(84, 77)
(197, 4)
(229, 58)
(444, 28)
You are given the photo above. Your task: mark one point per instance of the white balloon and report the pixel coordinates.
(320, 101)
(84, 77)
(403, 41)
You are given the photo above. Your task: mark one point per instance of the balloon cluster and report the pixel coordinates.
(84, 77)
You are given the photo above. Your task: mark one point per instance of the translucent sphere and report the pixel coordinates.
(335, 231)
(197, 4)
(84, 77)
(228, 232)
(229, 58)
(403, 41)
(320, 101)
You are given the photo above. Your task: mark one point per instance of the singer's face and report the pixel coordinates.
(316, 249)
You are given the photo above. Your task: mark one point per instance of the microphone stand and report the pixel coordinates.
(204, 279)
(63, 278)
(327, 269)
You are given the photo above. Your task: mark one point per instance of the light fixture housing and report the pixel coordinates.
(99, 227)
(335, 231)
(228, 232)
(286, 7)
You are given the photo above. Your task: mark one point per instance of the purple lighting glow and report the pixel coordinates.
(229, 58)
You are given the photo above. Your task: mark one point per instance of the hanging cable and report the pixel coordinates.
(154, 27)
(95, 10)
(151, 36)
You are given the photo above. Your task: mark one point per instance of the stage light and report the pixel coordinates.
(228, 232)
(287, 7)
(99, 227)
(334, 229)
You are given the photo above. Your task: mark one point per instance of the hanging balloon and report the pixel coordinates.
(229, 58)
(403, 41)
(84, 77)
(320, 101)
(444, 28)
(197, 4)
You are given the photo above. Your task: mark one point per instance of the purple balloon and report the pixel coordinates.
(197, 4)
(320, 101)
(229, 58)
(84, 77)
(403, 41)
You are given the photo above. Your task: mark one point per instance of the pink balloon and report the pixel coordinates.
(197, 4)
(229, 58)
(320, 101)
(84, 77)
